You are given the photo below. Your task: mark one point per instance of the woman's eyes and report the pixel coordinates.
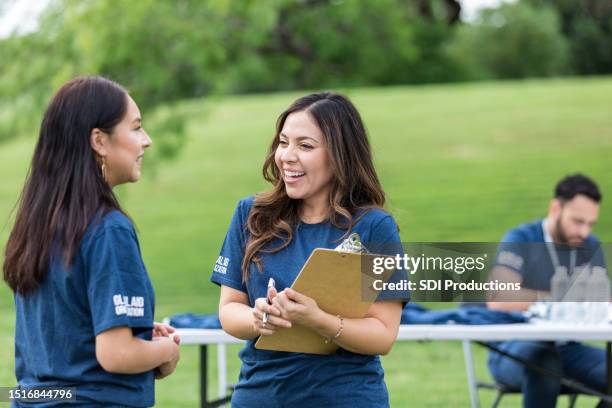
(305, 146)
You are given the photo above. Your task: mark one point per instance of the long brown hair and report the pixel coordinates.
(65, 187)
(355, 184)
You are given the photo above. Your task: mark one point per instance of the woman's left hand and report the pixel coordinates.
(164, 330)
(297, 308)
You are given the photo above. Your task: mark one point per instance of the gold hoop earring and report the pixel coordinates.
(103, 168)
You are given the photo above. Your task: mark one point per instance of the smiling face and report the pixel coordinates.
(124, 148)
(303, 162)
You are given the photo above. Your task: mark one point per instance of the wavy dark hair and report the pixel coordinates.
(65, 187)
(355, 184)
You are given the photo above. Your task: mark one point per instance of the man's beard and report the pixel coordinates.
(562, 236)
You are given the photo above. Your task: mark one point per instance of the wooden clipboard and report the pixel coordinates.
(342, 284)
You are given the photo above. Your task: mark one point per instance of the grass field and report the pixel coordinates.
(458, 163)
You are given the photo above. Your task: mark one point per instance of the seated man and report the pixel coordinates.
(571, 215)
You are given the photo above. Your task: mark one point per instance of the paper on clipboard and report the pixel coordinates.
(340, 284)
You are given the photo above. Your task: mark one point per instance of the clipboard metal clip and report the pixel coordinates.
(352, 244)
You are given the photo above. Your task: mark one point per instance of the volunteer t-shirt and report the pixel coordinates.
(525, 251)
(106, 286)
(281, 379)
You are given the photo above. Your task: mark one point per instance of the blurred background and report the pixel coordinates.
(475, 109)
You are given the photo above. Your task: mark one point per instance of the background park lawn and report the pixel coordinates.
(459, 163)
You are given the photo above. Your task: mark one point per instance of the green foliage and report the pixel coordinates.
(512, 41)
(161, 51)
(347, 43)
(167, 51)
(164, 51)
(591, 47)
(587, 24)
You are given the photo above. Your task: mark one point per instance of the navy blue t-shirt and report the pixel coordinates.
(106, 286)
(524, 250)
(281, 379)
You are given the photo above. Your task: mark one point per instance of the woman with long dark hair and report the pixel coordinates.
(83, 298)
(324, 186)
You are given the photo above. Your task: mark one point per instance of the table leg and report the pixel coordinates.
(204, 402)
(203, 376)
(609, 369)
(471, 378)
(221, 372)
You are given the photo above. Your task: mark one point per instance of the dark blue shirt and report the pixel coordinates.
(106, 286)
(280, 379)
(524, 250)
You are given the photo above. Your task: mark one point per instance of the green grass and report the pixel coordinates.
(458, 163)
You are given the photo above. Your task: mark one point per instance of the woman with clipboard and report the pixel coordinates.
(324, 186)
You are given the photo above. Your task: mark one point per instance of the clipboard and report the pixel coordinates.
(342, 284)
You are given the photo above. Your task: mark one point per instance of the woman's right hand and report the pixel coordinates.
(274, 320)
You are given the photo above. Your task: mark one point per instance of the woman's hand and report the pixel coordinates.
(297, 308)
(162, 330)
(273, 315)
(168, 367)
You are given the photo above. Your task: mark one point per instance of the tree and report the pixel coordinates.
(512, 41)
(165, 51)
(587, 24)
(452, 10)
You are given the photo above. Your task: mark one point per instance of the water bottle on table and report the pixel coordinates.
(598, 292)
(558, 288)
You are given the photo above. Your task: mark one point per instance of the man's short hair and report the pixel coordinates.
(575, 184)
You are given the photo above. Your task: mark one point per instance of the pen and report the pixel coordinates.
(264, 319)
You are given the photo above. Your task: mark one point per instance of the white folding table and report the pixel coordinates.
(465, 333)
